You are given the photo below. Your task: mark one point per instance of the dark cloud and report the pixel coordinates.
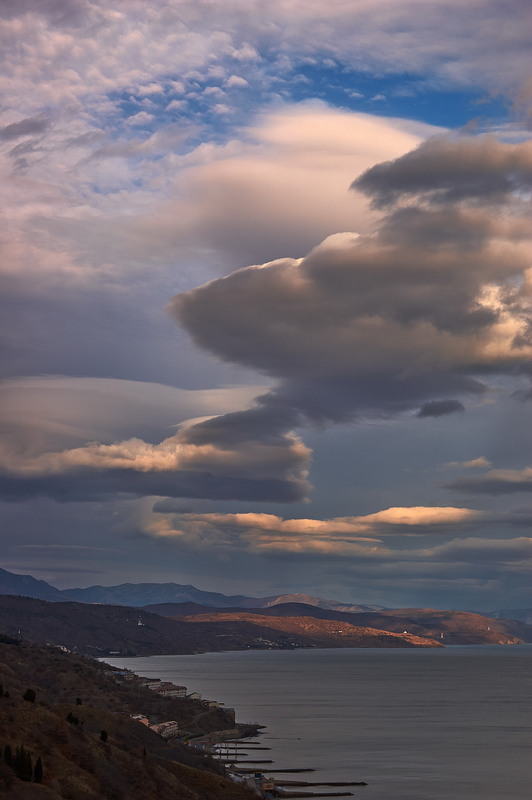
(440, 408)
(494, 482)
(26, 127)
(84, 485)
(449, 169)
(523, 394)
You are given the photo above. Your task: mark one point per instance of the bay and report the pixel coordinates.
(444, 724)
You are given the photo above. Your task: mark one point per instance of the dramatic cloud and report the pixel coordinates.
(445, 170)
(243, 455)
(267, 533)
(371, 325)
(146, 149)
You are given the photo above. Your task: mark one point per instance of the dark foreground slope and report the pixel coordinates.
(59, 726)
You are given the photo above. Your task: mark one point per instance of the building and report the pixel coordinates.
(166, 689)
(166, 729)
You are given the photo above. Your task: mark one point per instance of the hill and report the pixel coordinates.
(450, 627)
(318, 632)
(66, 733)
(103, 630)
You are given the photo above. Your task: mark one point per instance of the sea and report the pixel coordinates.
(450, 723)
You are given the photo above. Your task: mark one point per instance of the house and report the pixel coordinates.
(166, 729)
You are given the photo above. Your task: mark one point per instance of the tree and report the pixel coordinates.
(22, 764)
(103, 735)
(37, 772)
(29, 695)
(8, 755)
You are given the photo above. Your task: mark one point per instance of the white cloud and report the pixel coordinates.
(141, 118)
(236, 81)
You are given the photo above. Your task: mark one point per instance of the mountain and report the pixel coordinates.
(27, 586)
(143, 594)
(319, 602)
(521, 614)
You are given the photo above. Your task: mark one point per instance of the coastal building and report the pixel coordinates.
(166, 729)
(167, 689)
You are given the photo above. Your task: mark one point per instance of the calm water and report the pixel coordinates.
(449, 724)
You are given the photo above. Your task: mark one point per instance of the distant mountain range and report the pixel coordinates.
(167, 599)
(143, 594)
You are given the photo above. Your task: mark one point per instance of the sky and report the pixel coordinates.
(266, 297)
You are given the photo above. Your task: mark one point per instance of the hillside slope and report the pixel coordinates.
(69, 703)
(450, 627)
(319, 632)
(101, 630)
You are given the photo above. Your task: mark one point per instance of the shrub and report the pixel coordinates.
(29, 695)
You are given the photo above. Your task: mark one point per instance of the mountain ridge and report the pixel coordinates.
(138, 595)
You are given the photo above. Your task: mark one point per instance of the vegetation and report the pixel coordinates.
(56, 748)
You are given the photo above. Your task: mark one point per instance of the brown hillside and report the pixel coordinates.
(457, 627)
(318, 632)
(78, 764)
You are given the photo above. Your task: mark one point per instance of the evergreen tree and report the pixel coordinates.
(8, 755)
(29, 695)
(37, 772)
(103, 735)
(22, 764)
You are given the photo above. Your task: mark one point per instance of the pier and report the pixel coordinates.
(262, 779)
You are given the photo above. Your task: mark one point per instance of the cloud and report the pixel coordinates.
(141, 118)
(239, 455)
(255, 197)
(55, 411)
(496, 481)
(371, 324)
(25, 127)
(440, 408)
(268, 533)
(475, 463)
(444, 169)
(86, 49)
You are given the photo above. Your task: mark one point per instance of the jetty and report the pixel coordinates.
(321, 783)
(269, 781)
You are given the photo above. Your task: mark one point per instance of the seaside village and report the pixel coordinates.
(226, 746)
